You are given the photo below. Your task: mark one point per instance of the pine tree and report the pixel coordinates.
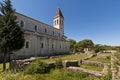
(11, 35)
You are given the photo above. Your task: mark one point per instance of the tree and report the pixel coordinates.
(72, 44)
(98, 48)
(84, 44)
(11, 35)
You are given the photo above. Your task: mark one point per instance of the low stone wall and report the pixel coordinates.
(67, 63)
(89, 72)
(93, 63)
(18, 65)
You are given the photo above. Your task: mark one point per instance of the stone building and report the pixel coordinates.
(42, 39)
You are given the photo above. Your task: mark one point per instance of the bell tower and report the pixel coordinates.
(59, 21)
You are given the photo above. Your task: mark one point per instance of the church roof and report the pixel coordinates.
(58, 13)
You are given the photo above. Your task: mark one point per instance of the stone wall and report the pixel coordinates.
(51, 46)
(115, 67)
(93, 63)
(89, 72)
(72, 65)
(68, 63)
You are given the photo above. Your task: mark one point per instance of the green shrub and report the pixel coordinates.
(58, 64)
(108, 57)
(37, 67)
(107, 76)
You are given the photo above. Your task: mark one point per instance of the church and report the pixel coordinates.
(42, 39)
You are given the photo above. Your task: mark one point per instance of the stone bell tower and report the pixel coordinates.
(59, 21)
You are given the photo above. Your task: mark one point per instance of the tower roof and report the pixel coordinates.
(58, 13)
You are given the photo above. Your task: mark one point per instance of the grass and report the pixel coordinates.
(66, 57)
(1, 66)
(117, 55)
(57, 74)
(103, 60)
(91, 67)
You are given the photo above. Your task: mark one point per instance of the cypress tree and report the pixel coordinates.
(11, 35)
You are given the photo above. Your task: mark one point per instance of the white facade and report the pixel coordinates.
(42, 39)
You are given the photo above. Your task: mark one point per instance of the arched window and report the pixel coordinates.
(53, 32)
(42, 45)
(22, 23)
(59, 34)
(60, 46)
(27, 44)
(52, 46)
(45, 30)
(62, 22)
(57, 21)
(35, 28)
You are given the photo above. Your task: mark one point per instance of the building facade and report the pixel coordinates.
(42, 39)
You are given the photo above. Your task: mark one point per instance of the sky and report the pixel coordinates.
(98, 20)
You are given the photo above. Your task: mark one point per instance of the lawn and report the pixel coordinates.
(57, 74)
(1, 66)
(117, 55)
(91, 67)
(66, 57)
(103, 60)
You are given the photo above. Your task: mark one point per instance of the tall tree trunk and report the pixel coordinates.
(4, 62)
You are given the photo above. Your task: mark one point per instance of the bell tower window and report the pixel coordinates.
(57, 21)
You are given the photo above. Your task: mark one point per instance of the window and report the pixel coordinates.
(45, 30)
(60, 46)
(59, 34)
(42, 45)
(53, 32)
(52, 46)
(22, 24)
(27, 44)
(57, 21)
(35, 28)
(60, 21)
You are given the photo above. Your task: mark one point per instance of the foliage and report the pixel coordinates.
(108, 76)
(37, 67)
(72, 44)
(7, 66)
(58, 64)
(57, 74)
(11, 35)
(79, 47)
(117, 55)
(98, 48)
(108, 57)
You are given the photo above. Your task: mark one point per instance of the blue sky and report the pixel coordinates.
(98, 20)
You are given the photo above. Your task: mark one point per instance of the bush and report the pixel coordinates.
(107, 76)
(58, 64)
(37, 67)
(108, 57)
